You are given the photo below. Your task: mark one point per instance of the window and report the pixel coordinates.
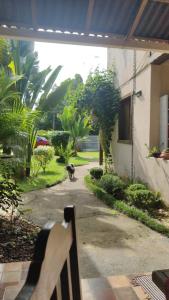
(125, 120)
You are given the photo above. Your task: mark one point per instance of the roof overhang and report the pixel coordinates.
(140, 24)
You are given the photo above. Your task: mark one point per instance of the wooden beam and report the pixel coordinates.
(34, 13)
(89, 15)
(137, 18)
(109, 42)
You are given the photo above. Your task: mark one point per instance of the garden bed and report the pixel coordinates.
(123, 207)
(17, 240)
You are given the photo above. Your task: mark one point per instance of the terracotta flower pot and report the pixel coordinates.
(164, 155)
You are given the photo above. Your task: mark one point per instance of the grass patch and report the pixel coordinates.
(84, 158)
(121, 206)
(90, 156)
(55, 173)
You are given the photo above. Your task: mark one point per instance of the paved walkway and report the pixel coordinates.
(109, 243)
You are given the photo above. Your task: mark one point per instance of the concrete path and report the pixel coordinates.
(109, 243)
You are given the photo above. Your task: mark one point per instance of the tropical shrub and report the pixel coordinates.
(60, 138)
(65, 154)
(11, 168)
(137, 186)
(143, 198)
(77, 124)
(96, 172)
(9, 196)
(113, 185)
(101, 98)
(43, 154)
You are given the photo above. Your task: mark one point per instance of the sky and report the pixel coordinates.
(74, 59)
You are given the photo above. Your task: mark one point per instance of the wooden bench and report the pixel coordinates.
(54, 271)
(161, 279)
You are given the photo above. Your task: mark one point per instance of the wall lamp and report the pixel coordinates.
(138, 94)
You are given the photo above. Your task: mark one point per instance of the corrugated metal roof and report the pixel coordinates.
(113, 18)
(155, 21)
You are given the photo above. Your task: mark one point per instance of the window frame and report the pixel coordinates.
(127, 97)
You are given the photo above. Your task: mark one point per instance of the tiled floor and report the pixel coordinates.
(13, 275)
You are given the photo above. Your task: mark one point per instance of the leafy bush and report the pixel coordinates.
(121, 206)
(43, 154)
(113, 185)
(60, 138)
(11, 167)
(143, 198)
(96, 172)
(136, 187)
(9, 196)
(64, 154)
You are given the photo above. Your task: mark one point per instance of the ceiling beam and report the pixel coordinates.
(109, 42)
(137, 18)
(89, 15)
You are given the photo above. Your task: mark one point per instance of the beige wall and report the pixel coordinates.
(153, 81)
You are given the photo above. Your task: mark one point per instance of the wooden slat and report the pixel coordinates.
(89, 14)
(58, 245)
(159, 278)
(74, 263)
(137, 18)
(64, 279)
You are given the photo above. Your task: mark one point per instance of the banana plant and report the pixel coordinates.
(78, 125)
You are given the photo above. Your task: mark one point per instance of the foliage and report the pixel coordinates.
(9, 196)
(77, 125)
(4, 53)
(130, 211)
(136, 186)
(60, 139)
(43, 154)
(101, 98)
(113, 185)
(144, 199)
(96, 172)
(11, 167)
(35, 86)
(54, 174)
(7, 91)
(65, 153)
(153, 152)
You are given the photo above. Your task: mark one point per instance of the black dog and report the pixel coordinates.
(71, 171)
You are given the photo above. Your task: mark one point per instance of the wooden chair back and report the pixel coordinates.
(54, 271)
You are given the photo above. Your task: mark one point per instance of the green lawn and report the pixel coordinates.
(55, 172)
(85, 157)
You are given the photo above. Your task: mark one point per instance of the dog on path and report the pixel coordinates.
(71, 171)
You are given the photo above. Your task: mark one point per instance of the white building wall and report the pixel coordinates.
(153, 81)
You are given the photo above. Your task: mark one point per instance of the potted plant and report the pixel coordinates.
(165, 154)
(153, 152)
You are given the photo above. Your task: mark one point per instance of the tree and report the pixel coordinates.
(77, 125)
(100, 97)
(35, 86)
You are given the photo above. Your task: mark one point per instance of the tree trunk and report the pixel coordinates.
(28, 162)
(100, 155)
